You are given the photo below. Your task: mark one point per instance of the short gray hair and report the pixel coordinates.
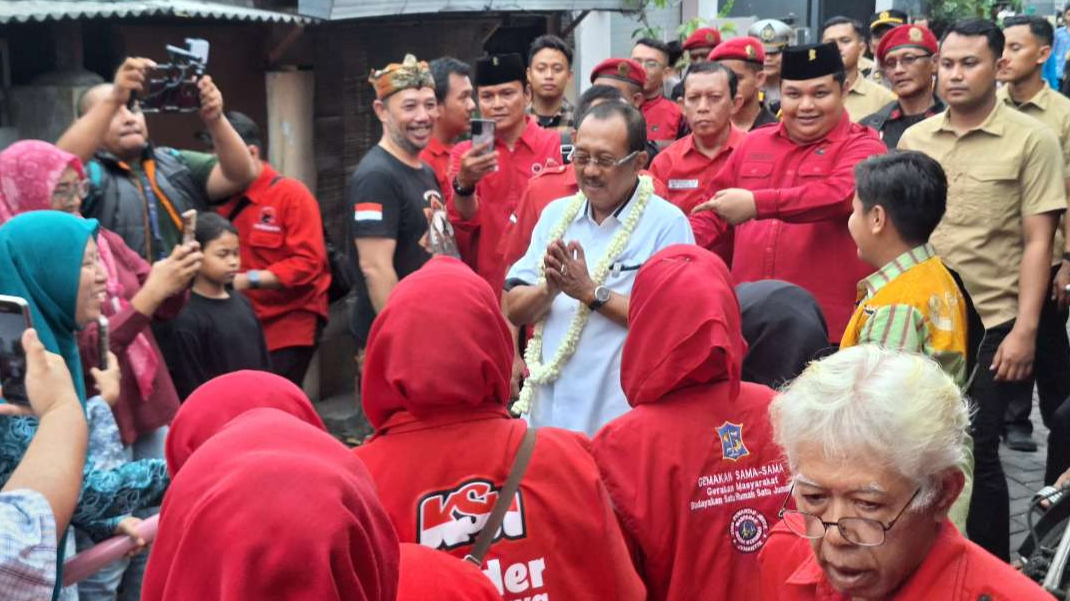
(896, 408)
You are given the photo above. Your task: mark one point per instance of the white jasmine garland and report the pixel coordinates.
(540, 373)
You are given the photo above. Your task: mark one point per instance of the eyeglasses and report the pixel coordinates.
(907, 61)
(863, 532)
(78, 189)
(651, 63)
(581, 159)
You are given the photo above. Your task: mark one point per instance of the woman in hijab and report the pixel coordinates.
(435, 387)
(63, 284)
(692, 469)
(784, 329)
(36, 175)
(270, 507)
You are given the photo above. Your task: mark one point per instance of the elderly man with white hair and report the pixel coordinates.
(874, 439)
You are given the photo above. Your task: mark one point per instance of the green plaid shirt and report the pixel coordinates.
(562, 121)
(903, 326)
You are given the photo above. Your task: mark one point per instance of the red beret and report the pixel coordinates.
(624, 69)
(706, 37)
(913, 36)
(740, 49)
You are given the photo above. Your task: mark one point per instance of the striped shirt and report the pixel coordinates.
(27, 546)
(904, 326)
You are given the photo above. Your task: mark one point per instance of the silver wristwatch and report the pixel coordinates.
(601, 297)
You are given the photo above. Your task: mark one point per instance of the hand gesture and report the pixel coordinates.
(48, 381)
(734, 205)
(211, 100)
(566, 268)
(476, 163)
(130, 79)
(108, 381)
(172, 275)
(1014, 357)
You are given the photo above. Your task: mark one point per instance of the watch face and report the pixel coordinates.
(601, 294)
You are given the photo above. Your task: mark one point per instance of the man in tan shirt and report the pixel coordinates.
(1028, 46)
(1005, 189)
(864, 97)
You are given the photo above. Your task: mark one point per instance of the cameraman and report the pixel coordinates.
(135, 186)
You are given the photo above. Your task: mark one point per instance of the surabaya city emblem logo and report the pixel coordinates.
(453, 518)
(732, 446)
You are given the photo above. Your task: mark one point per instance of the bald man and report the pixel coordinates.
(138, 190)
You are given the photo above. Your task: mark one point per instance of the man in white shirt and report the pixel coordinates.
(578, 284)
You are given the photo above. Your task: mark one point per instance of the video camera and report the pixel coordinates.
(172, 87)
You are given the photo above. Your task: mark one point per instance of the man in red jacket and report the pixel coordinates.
(875, 439)
(444, 444)
(787, 190)
(486, 182)
(697, 512)
(283, 257)
(453, 91)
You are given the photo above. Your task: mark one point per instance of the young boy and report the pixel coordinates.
(912, 302)
(217, 333)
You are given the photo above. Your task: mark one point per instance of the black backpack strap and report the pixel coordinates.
(505, 499)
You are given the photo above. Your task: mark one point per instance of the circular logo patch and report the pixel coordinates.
(536, 168)
(748, 530)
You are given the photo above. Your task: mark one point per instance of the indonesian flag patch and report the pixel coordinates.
(367, 211)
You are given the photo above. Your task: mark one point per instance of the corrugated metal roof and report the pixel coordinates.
(355, 9)
(22, 11)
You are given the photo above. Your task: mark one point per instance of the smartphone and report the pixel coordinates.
(103, 342)
(14, 320)
(483, 132)
(189, 226)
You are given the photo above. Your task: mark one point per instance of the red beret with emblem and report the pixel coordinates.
(912, 36)
(706, 37)
(623, 69)
(740, 49)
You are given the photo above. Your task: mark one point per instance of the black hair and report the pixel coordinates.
(978, 27)
(551, 42)
(676, 51)
(594, 94)
(633, 120)
(910, 186)
(1038, 26)
(656, 45)
(840, 20)
(441, 69)
(713, 67)
(210, 226)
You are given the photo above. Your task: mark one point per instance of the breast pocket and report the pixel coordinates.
(988, 194)
(753, 174)
(266, 240)
(815, 170)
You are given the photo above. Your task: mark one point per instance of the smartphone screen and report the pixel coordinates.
(13, 322)
(483, 132)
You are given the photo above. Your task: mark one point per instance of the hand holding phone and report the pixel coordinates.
(483, 134)
(189, 226)
(14, 321)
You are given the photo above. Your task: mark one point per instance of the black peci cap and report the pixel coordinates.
(811, 61)
(498, 69)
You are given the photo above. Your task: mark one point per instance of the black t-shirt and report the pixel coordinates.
(387, 198)
(212, 337)
(894, 129)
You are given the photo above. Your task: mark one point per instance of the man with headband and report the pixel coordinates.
(786, 191)
(390, 190)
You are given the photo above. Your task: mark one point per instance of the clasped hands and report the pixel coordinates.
(566, 271)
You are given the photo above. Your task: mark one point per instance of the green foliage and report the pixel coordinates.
(685, 29)
(959, 9)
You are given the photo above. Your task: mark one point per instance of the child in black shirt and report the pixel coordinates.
(217, 332)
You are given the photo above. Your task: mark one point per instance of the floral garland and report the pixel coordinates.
(540, 373)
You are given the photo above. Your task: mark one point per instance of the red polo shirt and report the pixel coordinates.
(437, 156)
(803, 194)
(555, 181)
(281, 231)
(499, 193)
(689, 173)
(954, 570)
(663, 118)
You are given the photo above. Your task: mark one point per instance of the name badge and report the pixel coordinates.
(683, 184)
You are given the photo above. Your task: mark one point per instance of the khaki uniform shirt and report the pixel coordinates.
(865, 98)
(1052, 109)
(1007, 168)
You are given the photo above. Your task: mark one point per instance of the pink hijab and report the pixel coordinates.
(29, 172)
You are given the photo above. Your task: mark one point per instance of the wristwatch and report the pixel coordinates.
(459, 191)
(601, 297)
(254, 278)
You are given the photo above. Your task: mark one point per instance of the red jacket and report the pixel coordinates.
(437, 156)
(498, 194)
(693, 470)
(663, 119)
(555, 181)
(954, 570)
(281, 231)
(444, 445)
(803, 195)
